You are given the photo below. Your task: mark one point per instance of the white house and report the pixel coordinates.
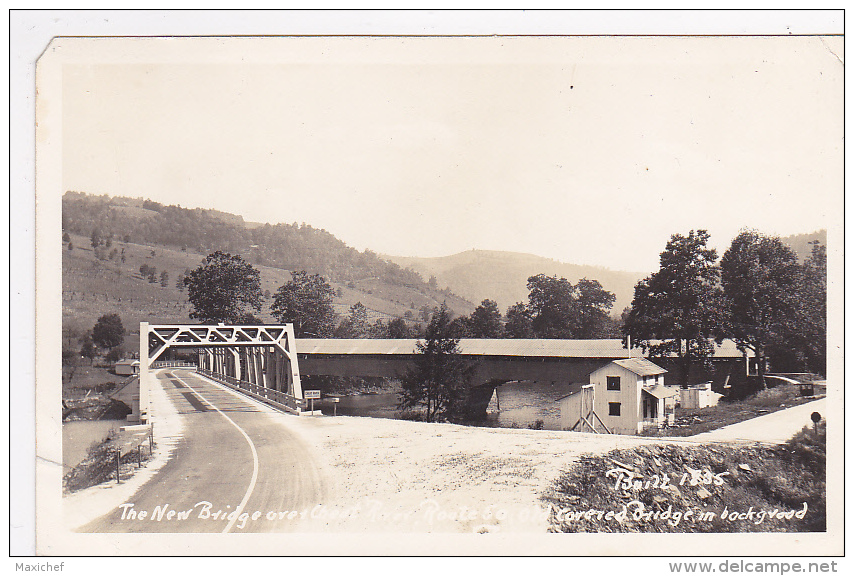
(626, 397)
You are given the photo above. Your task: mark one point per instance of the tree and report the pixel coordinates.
(592, 304)
(551, 304)
(485, 321)
(306, 301)
(680, 310)
(66, 237)
(108, 331)
(813, 309)
(378, 329)
(441, 377)
(164, 279)
(95, 238)
(397, 328)
(355, 325)
(519, 324)
(71, 245)
(179, 283)
(761, 280)
(224, 288)
(114, 355)
(87, 349)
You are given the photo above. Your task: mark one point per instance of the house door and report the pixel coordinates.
(650, 407)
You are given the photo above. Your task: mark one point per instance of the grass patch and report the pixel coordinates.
(716, 488)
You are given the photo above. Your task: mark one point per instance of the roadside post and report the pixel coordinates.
(335, 400)
(816, 418)
(118, 465)
(312, 395)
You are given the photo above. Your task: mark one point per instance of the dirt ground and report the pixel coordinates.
(394, 475)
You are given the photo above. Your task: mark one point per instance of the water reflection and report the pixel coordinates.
(518, 405)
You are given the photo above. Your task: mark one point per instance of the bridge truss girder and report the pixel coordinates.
(261, 355)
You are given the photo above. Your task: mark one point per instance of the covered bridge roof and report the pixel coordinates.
(608, 348)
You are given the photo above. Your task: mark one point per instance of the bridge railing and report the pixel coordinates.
(172, 364)
(268, 395)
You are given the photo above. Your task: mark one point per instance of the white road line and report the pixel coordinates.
(246, 497)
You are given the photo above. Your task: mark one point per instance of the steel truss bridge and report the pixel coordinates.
(259, 360)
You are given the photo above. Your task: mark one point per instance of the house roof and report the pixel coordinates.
(660, 391)
(640, 366)
(605, 348)
(127, 363)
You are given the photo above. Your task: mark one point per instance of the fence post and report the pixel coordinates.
(118, 466)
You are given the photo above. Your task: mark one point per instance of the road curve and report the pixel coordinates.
(236, 469)
(775, 428)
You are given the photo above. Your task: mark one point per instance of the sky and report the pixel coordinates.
(586, 150)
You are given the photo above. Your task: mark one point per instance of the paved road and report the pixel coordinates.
(776, 428)
(233, 456)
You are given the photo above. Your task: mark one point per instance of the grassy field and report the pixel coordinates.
(93, 287)
(714, 488)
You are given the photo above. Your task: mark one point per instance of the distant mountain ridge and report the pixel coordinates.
(502, 276)
(800, 243)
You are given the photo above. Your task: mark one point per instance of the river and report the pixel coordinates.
(519, 405)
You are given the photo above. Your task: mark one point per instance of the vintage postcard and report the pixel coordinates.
(500, 295)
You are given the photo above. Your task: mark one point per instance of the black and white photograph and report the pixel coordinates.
(514, 294)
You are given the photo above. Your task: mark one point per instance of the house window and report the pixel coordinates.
(613, 382)
(656, 379)
(613, 408)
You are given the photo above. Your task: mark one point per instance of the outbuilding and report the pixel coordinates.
(127, 367)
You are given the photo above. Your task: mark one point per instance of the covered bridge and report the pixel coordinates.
(498, 360)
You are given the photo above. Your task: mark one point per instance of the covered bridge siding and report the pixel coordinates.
(497, 360)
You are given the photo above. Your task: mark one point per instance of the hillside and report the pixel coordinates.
(92, 287)
(800, 243)
(285, 246)
(502, 276)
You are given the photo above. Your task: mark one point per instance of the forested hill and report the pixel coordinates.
(285, 246)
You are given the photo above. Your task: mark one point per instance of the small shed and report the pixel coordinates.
(698, 396)
(127, 367)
